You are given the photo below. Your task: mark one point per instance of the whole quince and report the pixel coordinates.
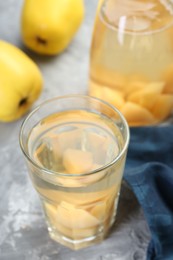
(20, 82)
(48, 26)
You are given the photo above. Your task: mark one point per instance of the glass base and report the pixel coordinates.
(76, 244)
(80, 238)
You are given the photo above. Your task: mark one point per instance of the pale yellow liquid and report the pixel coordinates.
(79, 209)
(132, 51)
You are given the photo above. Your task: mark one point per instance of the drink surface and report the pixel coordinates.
(131, 64)
(74, 142)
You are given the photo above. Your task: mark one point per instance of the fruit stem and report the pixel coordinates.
(22, 102)
(41, 40)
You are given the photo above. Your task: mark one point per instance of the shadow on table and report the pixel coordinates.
(128, 206)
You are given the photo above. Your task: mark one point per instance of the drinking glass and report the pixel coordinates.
(75, 149)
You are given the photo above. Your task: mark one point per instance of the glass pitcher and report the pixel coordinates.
(131, 59)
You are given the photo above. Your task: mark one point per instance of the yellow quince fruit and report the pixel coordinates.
(20, 82)
(48, 26)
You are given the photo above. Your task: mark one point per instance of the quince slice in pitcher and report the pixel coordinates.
(163, 106)
(136, 114)
(147, 96)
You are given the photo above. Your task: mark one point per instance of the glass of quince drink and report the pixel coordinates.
(75, 147)
(131, 63)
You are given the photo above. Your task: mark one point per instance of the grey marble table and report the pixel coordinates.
(23, 233)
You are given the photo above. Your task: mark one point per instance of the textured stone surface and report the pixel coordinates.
(23, 233)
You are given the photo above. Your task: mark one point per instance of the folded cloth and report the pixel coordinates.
(149, 172)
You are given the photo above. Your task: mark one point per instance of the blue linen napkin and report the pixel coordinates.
(149, 172)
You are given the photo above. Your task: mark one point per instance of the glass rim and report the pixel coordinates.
(55, 173)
